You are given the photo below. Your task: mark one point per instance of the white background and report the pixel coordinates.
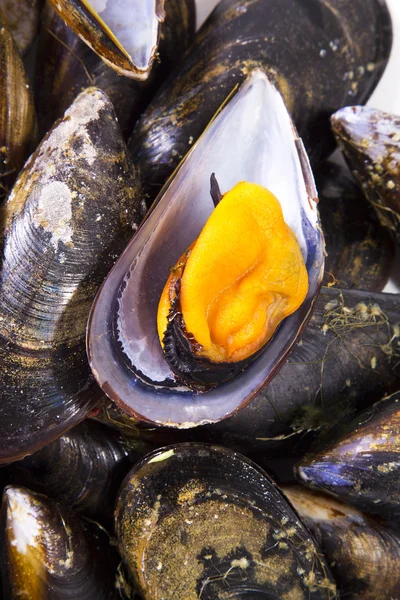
(386, 96)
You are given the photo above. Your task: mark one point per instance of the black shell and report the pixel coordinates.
(201, 522)
(360, 253)
(18, 127)
(361, 551)
(49, 553)
(321, 55)
(370, 140)
(83, 468)
(360, 461)
(65, 222)
(65, 65)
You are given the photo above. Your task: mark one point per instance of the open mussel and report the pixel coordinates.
(65, 65)
(360, 253)
(251, 140)
(321, 55)
(67, 218)
(359, 462)
(17, 114)
(232, 533)
(362, 552)
(49, 553)
(124, 34)
(370, 140)
(83, 468)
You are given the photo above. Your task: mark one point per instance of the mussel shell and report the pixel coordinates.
(83, 468)
(361, 551)
(370, 140)
(232, 533)
(241, 143)
(321, 55)
(49, 553)
(360, 253)
(18, 128)
(360, 461)
(22, 19)
(86, 20)
(66, 220)
(65, 65)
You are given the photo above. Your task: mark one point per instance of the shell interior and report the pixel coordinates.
(252, 138)
(133, 25)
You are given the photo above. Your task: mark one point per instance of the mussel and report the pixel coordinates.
(233, 535)
(82, 469)
(124, 34)
(65, 222)
(370, 140)
(361, 551)
(18, 126)
(49, 553)
(360, 253)
(359, 462)
(22, 18)
(251, 139)
(321, 55)
(65, 65)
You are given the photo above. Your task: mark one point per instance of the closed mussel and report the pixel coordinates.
(248, 155)
(83, 468)
(232, 533)
(360, 463)
(321, 55)
(49, 553)
(361, 551)
(370, 140)
(64, 224)
(65, 65)
(17, 113)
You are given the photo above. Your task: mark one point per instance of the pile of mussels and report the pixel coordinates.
(165, 341)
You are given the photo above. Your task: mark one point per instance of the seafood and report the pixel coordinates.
(49, 553)
(65, 65)
(370, 140)
(361, 551)
(22, 19)
(320, 54)
(124, 34)
(128, 363)
(18, 126)
(67, 218)
(360, 253)
(232, 533)
(359, 462)
(83, 468)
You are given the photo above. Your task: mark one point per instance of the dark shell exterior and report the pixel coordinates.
(83, 468)
(232, 533)
(129, 363)
(49, 553)
(22, 18)
(360, 253)
(65, 222)
(363, 553)
(347, 359)
(321, 55)
(65, 65)
(360, 464)
(370, 140)
(18, 128)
